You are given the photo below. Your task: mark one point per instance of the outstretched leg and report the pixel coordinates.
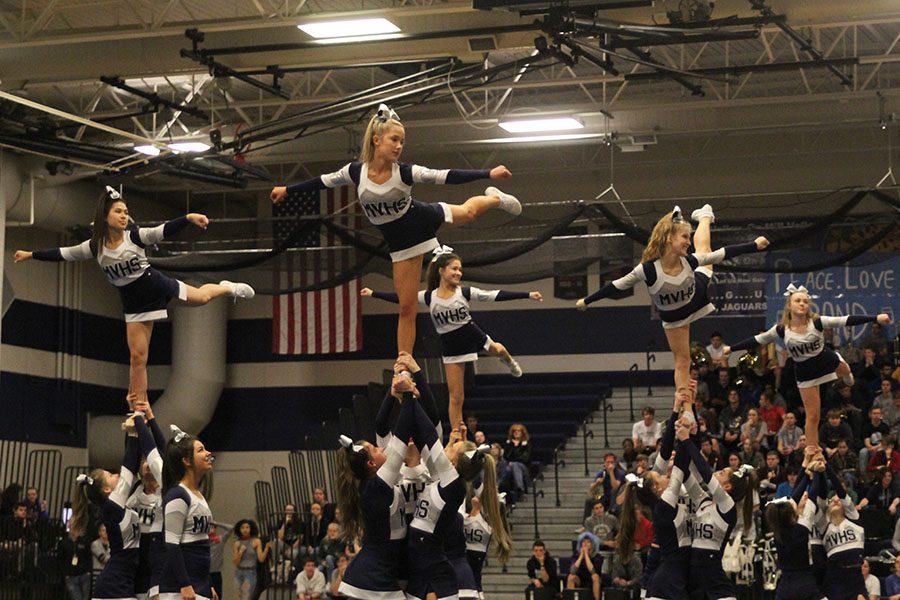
(138, 335)
(702, 237)
(499, 350)
(407, 274)
(680, 344)
(456, 384)
(474, 207)
(812, 405)
(203, 294)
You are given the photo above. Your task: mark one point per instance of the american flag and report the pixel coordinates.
(324, 321)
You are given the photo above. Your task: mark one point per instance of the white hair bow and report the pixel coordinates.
(677, 217)
(783, 499)
(632, 478)
(792, 289)
(744, 470)
(386, 113)
(346, 442)
(482, 449)
(113, 193)
(179, 434)
(84, 479)
(440, 251)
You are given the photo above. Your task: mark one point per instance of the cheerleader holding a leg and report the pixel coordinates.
(448, 304)
(383, 186)
(677, 280)
(801, 332)
(844, 542)
(145, 292)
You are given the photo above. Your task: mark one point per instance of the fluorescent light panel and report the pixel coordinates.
(351, 28)
(359, 38)
(189, 146)
(147, 149)
(540, 138)
(536, 125)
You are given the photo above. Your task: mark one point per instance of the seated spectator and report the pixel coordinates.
(75, 563)
(755, 430)
(718, 389)
(629, 455)
(100, 549)
(18, 529)
(310, 582)
(338, 576)
(887, 456)
(645, 432)
(36, 508)
(751, 456)
(504, 476)
(885, 393)
(542, 568)
(892, 583)
(734, 461)
(712, 456)
(771, 475)
(868, 371)
(731, 419)
(845, 462)
(518, 454)
(328, 508)
(9, 498)
(701, 394)
(331, 546)
(585, 568)
(641, 465)
(289, 536)
(833, 430)
(643, 533)
(315, 528)
(873, 585)
(471, 426)
(606, 485)
(786, 488)
(716, 350)
(707, 414)
(872, 432)
(480, 438)
(769, 412)
(602, 525)
(789, 437)
(626, 575)
(876, 339)
(882, 494)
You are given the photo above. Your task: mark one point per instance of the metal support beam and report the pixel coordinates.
(154, 98)
(741, 69)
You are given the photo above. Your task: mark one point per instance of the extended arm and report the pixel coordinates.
(81, 251)
(331, 180)
(149, 448)
(726, 252)
(422, 174)
(765, 337)
(130, 464)
(847, 321)
(496, 295)
(153, 235)
(849, 508)
(617, 288)
(383, 420)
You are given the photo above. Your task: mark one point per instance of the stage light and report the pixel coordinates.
(189, 147)
(147, 149)
(537, 125)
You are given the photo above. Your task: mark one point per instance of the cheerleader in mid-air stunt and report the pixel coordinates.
(677, 280)
(383, 185)
(461, 338)
(145, 292)
(800, 331)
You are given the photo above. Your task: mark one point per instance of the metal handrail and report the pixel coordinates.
(606, 408)
(587, 434)
(650, 358)
(557, 463)
(535, 493)
(633, 370)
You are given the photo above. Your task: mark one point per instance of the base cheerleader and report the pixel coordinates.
(384, 185)
(844, 543)
(185, 575)
(145, 292)
(801, 332)
(677, 280)
(461, 339)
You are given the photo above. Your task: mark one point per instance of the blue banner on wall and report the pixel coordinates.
(740, 294)
(871, 288)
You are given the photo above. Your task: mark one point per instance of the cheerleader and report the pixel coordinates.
(660, 494)
(145, 292)
(110, 492)
(792, 525)
(478, 538)
(431, 574)
(146, 501)
(713, 521)
(844, 543)
(455, 549)
(461, 339)
(800, 331)
(185, 574)
(677, 281)
(383, 185)
(370, 500)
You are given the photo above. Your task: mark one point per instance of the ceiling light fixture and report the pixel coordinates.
(537, 125)
(147, 149)
(539, 138)
(189, 147)
(348, 29)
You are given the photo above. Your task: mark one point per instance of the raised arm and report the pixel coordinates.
(617, 288)
(726, 252)
(80, 251)
(152, 235)
(149, 448)
(395, 452)
(130, 465)
(383, 421)
(853, 320)
(419, 174)
(800, 487)
(501, 295)
(849, 508)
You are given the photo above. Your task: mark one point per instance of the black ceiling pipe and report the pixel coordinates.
(119, 83)
(740, 69)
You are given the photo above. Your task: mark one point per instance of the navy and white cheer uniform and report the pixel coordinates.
(187, 522)
(845, 550)
(408, 226)
(672, 534)
(461, 338)
(478, 540)
(374, 574)
(436, 514)
(819, 525)
(116, 580)
(426, 401)
(455, 548)
(680, 299)
(145, 292)
(814, 363)
(797, 581)
(712, 523)
(412, 483)
(149, 507)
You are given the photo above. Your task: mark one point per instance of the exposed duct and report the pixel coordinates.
(196, 380)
